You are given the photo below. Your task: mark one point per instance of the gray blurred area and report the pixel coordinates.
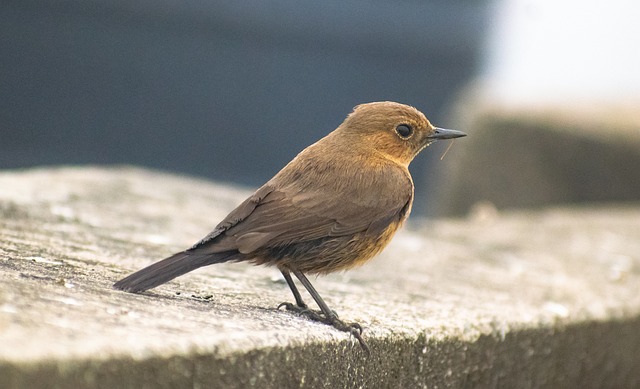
(225, 90)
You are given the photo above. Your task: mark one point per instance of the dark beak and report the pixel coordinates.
(441, 133)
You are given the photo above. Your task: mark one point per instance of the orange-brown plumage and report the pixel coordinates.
(334, 206)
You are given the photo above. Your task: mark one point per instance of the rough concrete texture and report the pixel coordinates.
(534, 157)
(517, 300)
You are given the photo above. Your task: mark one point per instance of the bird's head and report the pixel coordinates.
(396, 131)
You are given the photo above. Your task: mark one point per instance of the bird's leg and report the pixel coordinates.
(300, 305)
(328, 316)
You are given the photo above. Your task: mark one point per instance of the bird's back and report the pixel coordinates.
(335, 216)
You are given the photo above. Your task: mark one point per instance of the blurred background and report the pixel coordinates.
(232, 91)
(224, 90)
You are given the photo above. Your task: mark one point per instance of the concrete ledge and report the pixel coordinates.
(538, 156)
(527, 300)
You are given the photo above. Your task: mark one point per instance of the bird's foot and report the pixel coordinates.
(354, 329)
(304, 310)
(300, 309)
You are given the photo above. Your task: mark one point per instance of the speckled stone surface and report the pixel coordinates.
(529, 300)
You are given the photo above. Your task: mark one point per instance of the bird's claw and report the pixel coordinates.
(354, 329)
(295, 308)
(304, 311)
(287, 306)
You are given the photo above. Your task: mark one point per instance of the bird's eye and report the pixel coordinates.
(404, 131)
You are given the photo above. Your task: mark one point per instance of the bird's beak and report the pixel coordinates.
(441, 133)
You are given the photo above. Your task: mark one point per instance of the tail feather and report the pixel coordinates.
(168, 269)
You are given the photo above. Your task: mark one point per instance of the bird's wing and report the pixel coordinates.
(239, 214)
(275, 217)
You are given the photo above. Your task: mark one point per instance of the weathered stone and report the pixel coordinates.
(532, 157)
(526, 300)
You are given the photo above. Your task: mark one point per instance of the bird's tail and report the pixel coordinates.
(168, 269)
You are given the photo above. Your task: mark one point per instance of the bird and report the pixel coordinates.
(336, 205)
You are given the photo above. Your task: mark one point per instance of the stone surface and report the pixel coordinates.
(527, 299)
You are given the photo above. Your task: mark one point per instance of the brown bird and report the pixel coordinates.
(334, 206)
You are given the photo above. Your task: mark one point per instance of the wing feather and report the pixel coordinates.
(276, 216)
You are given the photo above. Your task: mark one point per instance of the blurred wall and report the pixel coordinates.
(225, 90)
